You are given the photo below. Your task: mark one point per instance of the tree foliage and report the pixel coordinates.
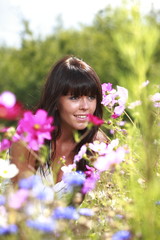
(116, 44)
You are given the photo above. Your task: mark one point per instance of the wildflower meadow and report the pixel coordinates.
(118, 196)
(121, 182)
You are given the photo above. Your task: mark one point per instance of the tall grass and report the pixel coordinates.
(128, 199)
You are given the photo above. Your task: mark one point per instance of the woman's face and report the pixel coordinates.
(74, 110)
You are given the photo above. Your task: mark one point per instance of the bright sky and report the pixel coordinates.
(42, 15)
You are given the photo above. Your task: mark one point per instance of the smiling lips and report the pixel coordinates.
(82, 117)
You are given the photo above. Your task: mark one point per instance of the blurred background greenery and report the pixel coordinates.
(120, 44)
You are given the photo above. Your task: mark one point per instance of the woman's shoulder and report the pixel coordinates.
(101, 137)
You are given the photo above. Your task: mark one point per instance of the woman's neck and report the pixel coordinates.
(67, 135)
(64, 155)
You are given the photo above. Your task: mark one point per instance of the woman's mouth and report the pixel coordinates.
(82, 117)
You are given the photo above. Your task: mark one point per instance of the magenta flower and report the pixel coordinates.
(5, 144)
(34, 129)
(95, 120)
(89, 171)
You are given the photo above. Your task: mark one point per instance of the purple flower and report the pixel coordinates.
(65, 213)
(9, 229)
(74, 178)
(122, 235)
(43, 224)
(90, 182)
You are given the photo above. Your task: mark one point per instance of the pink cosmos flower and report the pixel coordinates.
(34, 129)
(99, 147)
(118, 111)
(80, 154)
(17, 199)
(114, 100)
(9, 108)
(95, 120)
(122, 94)
(113, 157)
(106, 87)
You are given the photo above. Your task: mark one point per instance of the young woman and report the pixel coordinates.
(71, 92)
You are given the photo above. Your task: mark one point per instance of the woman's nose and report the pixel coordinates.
(84, 104)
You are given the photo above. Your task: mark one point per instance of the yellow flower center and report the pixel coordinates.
(37, 126)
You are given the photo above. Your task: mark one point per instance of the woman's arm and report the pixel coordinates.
(24, 159)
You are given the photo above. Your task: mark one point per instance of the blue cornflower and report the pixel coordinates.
(42, 224)
(157, 202)
(43, 193)
(86, 212)
(65, 213)
(2, 200)
(122, 235)
(30, 182)
(10, 229)
(74, 178)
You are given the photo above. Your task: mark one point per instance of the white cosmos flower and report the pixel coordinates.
(7, 170)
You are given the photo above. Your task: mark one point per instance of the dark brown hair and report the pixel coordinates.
(71, 75)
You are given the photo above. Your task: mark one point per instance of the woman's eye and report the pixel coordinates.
(91, 97)
(73, 98)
